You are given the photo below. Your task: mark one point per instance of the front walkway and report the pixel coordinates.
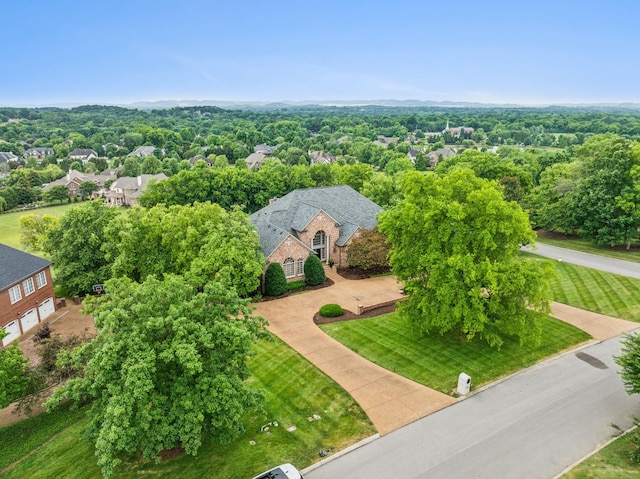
(391, 401)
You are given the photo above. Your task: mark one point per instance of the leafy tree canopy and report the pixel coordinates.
(455, 244)
(168, 365)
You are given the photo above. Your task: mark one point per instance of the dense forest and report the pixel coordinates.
(575, 170)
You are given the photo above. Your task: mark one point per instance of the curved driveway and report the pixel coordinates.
(390, 400)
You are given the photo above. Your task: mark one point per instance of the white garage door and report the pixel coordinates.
(46, 309)
(29, 319)
(13, 328)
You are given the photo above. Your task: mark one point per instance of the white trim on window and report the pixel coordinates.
(14, 294)
(300, 266)
(28, 286)
(41, 279)
(289, 268)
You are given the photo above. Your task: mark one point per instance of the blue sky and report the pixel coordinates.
(528, 52)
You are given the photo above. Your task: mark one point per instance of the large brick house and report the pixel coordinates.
(26, 292)
(320, 221)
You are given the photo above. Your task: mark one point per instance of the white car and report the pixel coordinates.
(283, 471)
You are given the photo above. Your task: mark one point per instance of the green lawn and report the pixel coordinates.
(295, 391)
(10, 230)
(436, 360)
(598, 291)
(586, 247)
(612, 462)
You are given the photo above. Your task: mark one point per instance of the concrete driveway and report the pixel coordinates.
(391, 401)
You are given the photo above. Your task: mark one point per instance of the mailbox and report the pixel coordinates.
(464, 384)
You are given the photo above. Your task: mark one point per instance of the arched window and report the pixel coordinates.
(300, 266)
(289, 267)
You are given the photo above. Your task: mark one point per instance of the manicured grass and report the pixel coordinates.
(586, 247)
(612, 462)
(293, 285)
(295, 390)
(436, 361)
(10, 230)
(597, 291)
(20, 438)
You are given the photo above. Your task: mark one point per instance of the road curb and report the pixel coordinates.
(595, 451)
(341, 453)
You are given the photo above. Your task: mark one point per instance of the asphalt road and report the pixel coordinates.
(531, 425)
(617, 266)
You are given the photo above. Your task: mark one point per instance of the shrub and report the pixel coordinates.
(275, 282)
(331, 310)
(369, 251)
(44, 332)
(313, 271)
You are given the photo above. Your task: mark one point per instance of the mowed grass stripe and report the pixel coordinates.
(294, 390)
(597, 291)
(436, 360)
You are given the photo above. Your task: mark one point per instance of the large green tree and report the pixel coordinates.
(168, 365)
(14, 379)
(34, 228)
(75, 246)
(455, 245)
(201, 242)
(602, 203)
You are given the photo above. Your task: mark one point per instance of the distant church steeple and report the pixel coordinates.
(446, 128)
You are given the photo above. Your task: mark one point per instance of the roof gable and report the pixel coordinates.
(294, 211)
(16, 265)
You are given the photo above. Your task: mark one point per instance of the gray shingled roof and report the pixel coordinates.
(16, 265)
(293, 212)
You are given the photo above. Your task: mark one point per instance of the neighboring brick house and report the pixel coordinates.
(26, 292)
(320, 221)
(84, 155)
(126, 190)
(73, 179)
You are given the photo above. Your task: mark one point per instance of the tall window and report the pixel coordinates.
(318, 244)
(41, 279)
(28, 287)
(14, 294)
(300, 267)
(319, 239)
(289, 267)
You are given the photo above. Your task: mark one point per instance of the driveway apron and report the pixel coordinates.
(390, 400)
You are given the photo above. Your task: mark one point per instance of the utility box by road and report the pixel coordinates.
(464, 384)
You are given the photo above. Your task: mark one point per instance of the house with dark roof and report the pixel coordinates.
(126, 190)
(413, 153)
(26, 292)
(7, 156)
(84, 155)
(264, 149)
(313, 221)
(39, 153)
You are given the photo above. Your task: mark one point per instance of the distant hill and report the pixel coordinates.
(265, 105)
